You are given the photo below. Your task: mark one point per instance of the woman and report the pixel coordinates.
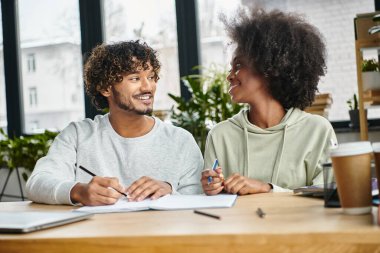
(274, 145)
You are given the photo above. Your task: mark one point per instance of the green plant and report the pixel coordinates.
(353, 102)
(24, 151)
(370, 65)
(209, 103)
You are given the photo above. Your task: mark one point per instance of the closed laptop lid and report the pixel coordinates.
(24, 222)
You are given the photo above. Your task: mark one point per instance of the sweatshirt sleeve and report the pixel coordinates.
(53, 176)
(189, 182)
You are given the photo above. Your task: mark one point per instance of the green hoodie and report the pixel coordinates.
(288, 155)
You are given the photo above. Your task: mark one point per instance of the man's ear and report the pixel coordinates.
(107, 92)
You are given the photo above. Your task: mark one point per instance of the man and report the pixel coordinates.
(129, 151)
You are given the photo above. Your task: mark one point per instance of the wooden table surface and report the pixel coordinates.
(292, 224)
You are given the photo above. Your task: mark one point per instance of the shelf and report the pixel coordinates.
(363, 41)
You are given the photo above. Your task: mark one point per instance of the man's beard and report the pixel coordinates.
(129, 108)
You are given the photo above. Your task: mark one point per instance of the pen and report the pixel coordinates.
(260, 212)
(92, 174)
(213, 168)
(207, 214)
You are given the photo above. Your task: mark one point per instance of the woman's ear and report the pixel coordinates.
(106, 92)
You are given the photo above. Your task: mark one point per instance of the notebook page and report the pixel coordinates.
(175, 202)
(122, 205)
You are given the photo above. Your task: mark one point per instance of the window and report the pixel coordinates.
(153, 21)
(213, 39)
(33, 96)
(3, 106)
(50, 38)
(31, 60)
(34, 126)
(334, 19)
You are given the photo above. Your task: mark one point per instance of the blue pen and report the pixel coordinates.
(213, 168)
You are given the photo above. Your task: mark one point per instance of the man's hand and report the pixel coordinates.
(216, 184)
(145, 187)
(237, 184)
(99, 191)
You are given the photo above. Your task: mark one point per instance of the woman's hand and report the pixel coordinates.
(238, 184)
(215, 184)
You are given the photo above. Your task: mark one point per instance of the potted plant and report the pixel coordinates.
(20, 154)
(370, 74)
(209, 103)
(354, 112)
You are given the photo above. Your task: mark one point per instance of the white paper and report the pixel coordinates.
(175, 202)
(122, 205)
(168, 202)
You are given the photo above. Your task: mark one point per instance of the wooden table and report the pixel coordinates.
(292, 224)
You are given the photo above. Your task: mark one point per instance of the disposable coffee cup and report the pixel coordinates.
(352, 171)
(376, 152)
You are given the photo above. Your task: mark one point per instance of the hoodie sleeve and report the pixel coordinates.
(276, 188)
(330, 142)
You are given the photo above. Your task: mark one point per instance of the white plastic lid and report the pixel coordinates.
(376, 147)
(352, 148)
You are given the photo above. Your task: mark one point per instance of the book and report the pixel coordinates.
(313, 190)
(321, 104)
(371, 97)
(317, 107)
(318, 190)
(168, 202)
(323, 95)
(371, 93)
(323, 112)
(322, 101)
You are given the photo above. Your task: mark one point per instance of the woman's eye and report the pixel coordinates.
(237, 66)
(151, 78)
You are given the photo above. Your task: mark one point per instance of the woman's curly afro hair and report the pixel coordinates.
(108, 63)
(283, 48)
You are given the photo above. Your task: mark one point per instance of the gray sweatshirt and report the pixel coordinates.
(166, 153)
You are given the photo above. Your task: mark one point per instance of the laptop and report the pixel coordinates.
(25, 222)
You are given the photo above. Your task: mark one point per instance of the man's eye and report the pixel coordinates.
(152, 77)
(238, 66)
(134, 78)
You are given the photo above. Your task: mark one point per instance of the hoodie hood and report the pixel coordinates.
(292, 116)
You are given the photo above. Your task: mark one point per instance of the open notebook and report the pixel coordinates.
(24, 222)
(168, 202)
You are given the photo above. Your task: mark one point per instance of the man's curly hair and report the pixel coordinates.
(108, 63)
(283, 48)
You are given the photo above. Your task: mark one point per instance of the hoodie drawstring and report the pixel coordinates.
(277, 166)
(246, 153)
